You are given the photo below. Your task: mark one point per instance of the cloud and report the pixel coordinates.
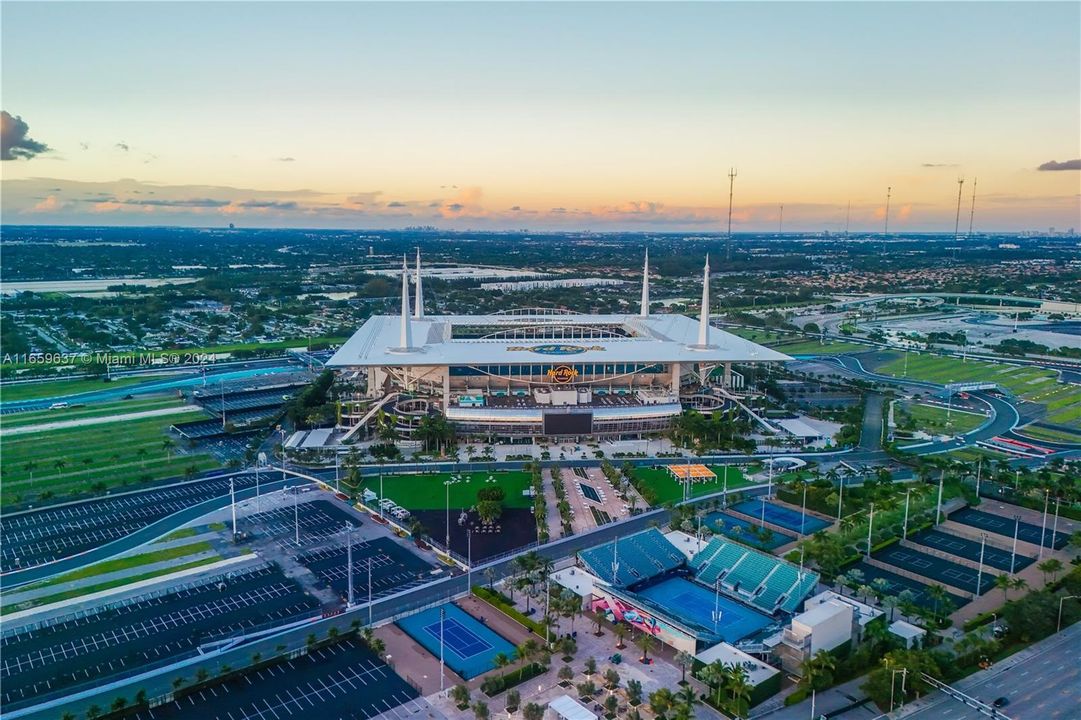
(396, 204)
(84, 146)
(49, 204)
(180, 203)
(15, 142)
(939, 165)
(1065, 165)
(268, 204)
(467, 202)
(123, 146)
(286, 159)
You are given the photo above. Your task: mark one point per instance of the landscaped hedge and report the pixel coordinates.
(504, 604)
(496, 684)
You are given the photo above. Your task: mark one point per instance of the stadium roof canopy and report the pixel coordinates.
(413, 338)
(655, 338)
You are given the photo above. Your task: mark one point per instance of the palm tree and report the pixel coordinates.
(647, 642)
(890, 602)
(715, 676)
(1003, 583)
(60, 464)
(598, 617)
(620, 631)
(937, 593)
(660, 700)
(1052, 567)
(818, 669)
(501, 661)
(739, 689)
(688, 698)
(683, 659)
(167, 445)
(1019, 583)
(30, 466)
(489, 575)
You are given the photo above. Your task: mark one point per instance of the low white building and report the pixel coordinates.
(824, 626)
(758, 672)
(912, 635)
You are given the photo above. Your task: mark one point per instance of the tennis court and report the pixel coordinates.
(745, 531)
(1026, 532)
(896, 584)
(970, 550)
(795, 520)
(935, 568)
(469, 646)
(693, 603)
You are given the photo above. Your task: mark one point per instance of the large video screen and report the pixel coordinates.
(564, 423)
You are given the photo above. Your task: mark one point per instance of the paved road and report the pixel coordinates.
(1041, 683)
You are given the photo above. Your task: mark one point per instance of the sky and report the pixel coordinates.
(546, 116)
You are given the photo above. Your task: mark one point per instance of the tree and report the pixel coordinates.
(938, 593)
(591, 666)
(533, 711)
(646, 642)
(201, 674)
(620, 631)
(501, 661)
(598, 618)
(568, 646)
(119, 704)
(611, 704)
(687, 699)
(1052, 567)
(739, 688)
(565, 674)
(177, 682)
(683, 659)
(1005, 584)
(818, 670)
(480, 710)
(460, 695)
(586, 689)
(93, 712)
(611, 679)
(634, 692)
(715, 676)
(660, 701)
(916, 662)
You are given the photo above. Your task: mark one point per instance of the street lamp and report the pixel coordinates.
(1061, 600)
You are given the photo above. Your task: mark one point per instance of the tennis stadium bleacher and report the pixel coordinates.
(763, 580)
(640, 556)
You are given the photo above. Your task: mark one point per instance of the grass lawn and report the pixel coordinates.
(429, 492)
(108, 585)
(125, 563)
(1045, 433)
(813, 347)
(83, 412)
(668, 489)
(114, 454)
(10, 392)
(933, 419)
(1026, 382)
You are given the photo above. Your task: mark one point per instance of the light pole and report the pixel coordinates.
(468, 558)
(840, 494)
(1013, 552)
(1043, 523)
(349, 562)
(938, 505)
(803, 516)
(337, 472)
(447, 537)
(442, 674)
(870, 524)
(296, 512)
(369, 592)
(979, 573)
(724, 491)
(232, 505)
(1061, 600)
(904, 529)
(979, 471)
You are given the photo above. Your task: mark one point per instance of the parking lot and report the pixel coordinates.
(317, 520)
(144, 631)
(393, 568)
(342, 682)
(42, 536)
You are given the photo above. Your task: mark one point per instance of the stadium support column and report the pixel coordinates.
(446, 389)
(677, 371)
(405, 338)
(703, 315)
(728, 375)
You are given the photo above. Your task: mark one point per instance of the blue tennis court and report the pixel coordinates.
(691, 602)
(1026, 532)
(749, 532)
(780, 515)
(469, 646)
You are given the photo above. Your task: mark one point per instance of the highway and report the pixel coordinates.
(1042, 682)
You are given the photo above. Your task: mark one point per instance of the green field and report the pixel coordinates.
(669, 489)
(933, 419)
(11, 392)
(793, 344)
(113, 454)
(429, 491)
(82, 412)
(1044, 433)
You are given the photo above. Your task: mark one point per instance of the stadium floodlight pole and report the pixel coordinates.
(813, 716)
(1013, 552)
(979, 572)
(221, 384)
(1043, 523)
(1062, 600)
(716, 602)
(1054, 526)
(803, 517)
(232, 505)
(447, 537)
(979, 471)
(870, 524)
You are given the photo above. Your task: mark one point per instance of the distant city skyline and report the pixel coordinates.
(546, 116)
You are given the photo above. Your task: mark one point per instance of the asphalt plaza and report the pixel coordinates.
(937, 569)
(344, 681)
(144, 631)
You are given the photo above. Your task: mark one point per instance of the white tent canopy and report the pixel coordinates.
(568, 708)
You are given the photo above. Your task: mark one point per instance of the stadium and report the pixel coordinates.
(539, 373)
(694, 599)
